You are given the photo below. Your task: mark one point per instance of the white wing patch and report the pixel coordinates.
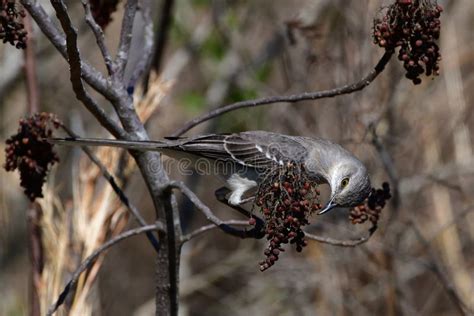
(247, 153)
(239, 186)
(232, 155)
(267, 154)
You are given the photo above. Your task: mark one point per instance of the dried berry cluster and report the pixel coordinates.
(414, 26)
(102, 11)
(372, 206)
(30, 153)
(12, 29)
(286, 199)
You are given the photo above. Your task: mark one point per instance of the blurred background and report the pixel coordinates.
(418, 138)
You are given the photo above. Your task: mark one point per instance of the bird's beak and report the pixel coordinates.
(329, 206)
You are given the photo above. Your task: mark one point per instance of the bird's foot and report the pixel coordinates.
(221, 195)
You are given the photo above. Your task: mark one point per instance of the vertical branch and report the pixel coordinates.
(166, 18)
(149, 163)
(34, 212)
(36, 251)
(93, 77)
(76, 70)
(125, 38)
(167, 279)
(99, 36)
(155, 178)
(147, 50)
(30, 69)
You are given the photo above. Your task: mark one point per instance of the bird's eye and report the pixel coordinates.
(344, 182)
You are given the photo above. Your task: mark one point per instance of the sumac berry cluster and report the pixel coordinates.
(30, 153)
(102, 11)
(414, 26)
(372, 206)
(12, 29)
(286, 197)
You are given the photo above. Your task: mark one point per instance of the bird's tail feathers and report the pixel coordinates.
(136, 145)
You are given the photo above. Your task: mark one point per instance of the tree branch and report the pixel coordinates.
(87, 263)
(204, 229)
(144, 63)
(36, 252)
(93, 77)
(166, 18)
(121, 195)
(255, 232)
(125, 38)
(34, 213)
(99, 36)
(350, 88)
(30, 69)
(342, 243)
(149, 163)
(75, 63)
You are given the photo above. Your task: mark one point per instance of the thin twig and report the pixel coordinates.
(255, 232)
(121, 195)
(207, 228)
(350, 88)
(342, 243)
(87, 263)
(221, 196)
(125, 38)
(99, 36)
(74, 59)
(91, 75)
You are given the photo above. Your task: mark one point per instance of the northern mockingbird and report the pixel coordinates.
(252, 154)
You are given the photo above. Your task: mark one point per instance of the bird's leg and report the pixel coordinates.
(257, 231)
(221, 196)
(221, 193)
(247, 200)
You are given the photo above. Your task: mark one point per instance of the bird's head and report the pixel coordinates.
(349, 182)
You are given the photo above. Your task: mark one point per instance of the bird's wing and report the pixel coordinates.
(255, 149)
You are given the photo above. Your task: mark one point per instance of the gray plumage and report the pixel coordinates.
(257, 151)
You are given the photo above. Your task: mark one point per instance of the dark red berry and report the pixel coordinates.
(413, 26)
(287, 210)
(31, 154)
(12, 30)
